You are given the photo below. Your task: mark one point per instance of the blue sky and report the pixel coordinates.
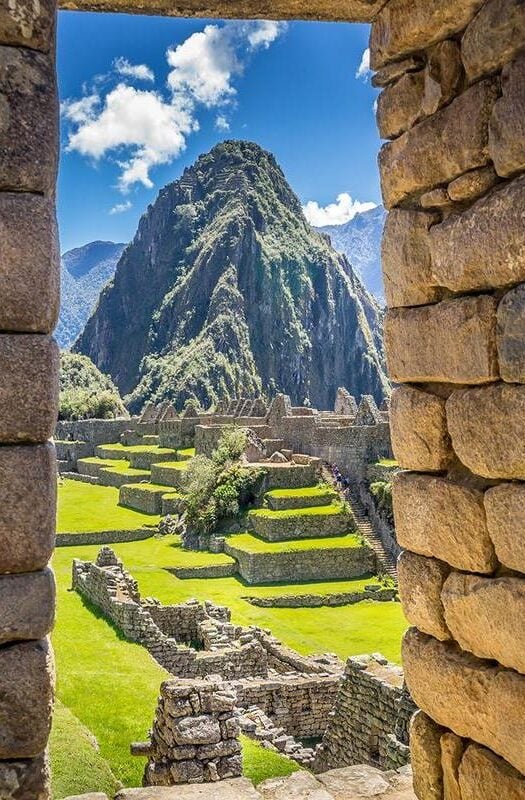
(131, 121)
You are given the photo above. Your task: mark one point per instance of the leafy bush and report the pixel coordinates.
(382, 493)
(231, 445)
(85, 393)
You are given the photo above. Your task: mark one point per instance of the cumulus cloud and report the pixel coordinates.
(343, 210)
(139, 71)
(144, 128)
(363, 71)
(120, 208)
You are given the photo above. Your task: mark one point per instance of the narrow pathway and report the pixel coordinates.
(364, 525)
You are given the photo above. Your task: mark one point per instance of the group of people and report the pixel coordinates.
(341, 482)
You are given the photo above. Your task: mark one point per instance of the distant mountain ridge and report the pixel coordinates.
(84, 272)
(227, 291)
(360, 241)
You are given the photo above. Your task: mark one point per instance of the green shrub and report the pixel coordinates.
(85, 393)
(230, 446)
(382, 492)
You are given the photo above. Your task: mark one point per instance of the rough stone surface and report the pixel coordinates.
(505, 510)
(27, 605)
(457, 137)
(233, 789)
(493, 37)
(425, 755)
(472, 184)
(27, 513)
(420, 583)
(26, 698)
(405, 256)
(25, 780)
(443, 76)
(511, 335)
(28, 121)
(453, 341)
(475, 699)
(436, 198)
(477, 614)
(485, 776)
(399, 106)
(29, 263)
(507, 124)
(451, 751)
(440, 519)
(392, 72)
(28, 387)
(298, 786)
(487, 427)
(27, 23)
(420, 439)
(484, 247)
(403, 26)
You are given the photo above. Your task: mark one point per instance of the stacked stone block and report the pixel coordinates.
(453, 180)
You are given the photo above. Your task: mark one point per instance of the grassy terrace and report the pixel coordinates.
(305, 491)
(252, 544)
(311, 511)
(87, 508)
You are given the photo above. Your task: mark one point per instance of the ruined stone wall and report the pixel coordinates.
(453, 180)
(94, 431)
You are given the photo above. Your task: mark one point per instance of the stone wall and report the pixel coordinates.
(94, 431)
(453, 180)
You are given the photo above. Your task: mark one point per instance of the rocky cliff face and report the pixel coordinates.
(227, 291)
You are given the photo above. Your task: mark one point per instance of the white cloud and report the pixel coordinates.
(120, 208)
(364, 71)
(343, 210)
(145, 128)
(221, 123)
(139, 71)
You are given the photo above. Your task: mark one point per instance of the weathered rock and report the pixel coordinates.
(505, 510)
(405, 257)
(25, 780)
(28, 387)
(507, 124)
(493, 37)
(28, 121)
(361, 781)
(474, 698)
(27, 23)
(457, 137)
(403, 26)
(420, 583)
(26, 698)
(485, 776)
(425, 755)
(420, 440)
(345, 403)
(487, 427)
(27, 605)
(436, 198)
(297, 786)
(236, 789)
(88, 796)
(399, 106)
(483, 247)
(27, 516)
(440, 519)
(453, 342)
(443, 76)
(29, 263)
(472, 184)
(510, 334)
(477, 614)
(392, 72)
(451, 751)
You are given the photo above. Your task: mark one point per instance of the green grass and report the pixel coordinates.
(188, 451)
(310, 511)
(387, 462)
(261, 764)
(87, 508)
(123, 468)
(143, 448)
(172, 464)
(252, 544)
(147, 487)
(304, 491)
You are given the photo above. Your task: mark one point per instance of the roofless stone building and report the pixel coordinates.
(453, 180)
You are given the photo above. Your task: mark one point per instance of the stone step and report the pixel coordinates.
(301, 523)
(303, 497)
(144, 497)
(169, 473)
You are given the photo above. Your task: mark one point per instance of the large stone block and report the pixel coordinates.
(402, 26)
(473, 184)
(487, 427)
(405, 257)
(425, 756)
(484, 247)
(27, 23)
(507, 124)
(27, 605)
(28, 121)
(441, 519)
(451, 751)
(29, 779)
(505, 510)
(474, 698)
(443, 76)
(399, 106)
(28, 387)
(420, 439)
(452, 342)
(27, 512)
(477, 615)
(511, 335)
(493, 37)
(485, 776)
(26, 698)
(29, 263)
(456, 136)
(420, 583)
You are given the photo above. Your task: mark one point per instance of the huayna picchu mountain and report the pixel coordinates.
(226, 291)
